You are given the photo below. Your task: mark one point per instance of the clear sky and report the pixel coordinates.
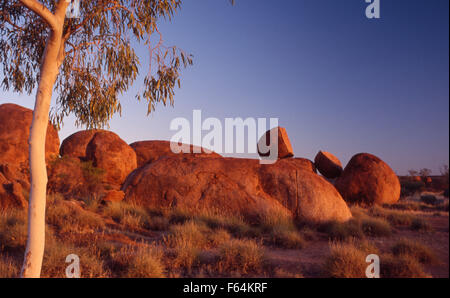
(336, 80)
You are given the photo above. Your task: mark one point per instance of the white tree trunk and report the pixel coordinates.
(36, 212)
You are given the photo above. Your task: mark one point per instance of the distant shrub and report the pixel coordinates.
(429, 199)
(419, 224)
(409, 187)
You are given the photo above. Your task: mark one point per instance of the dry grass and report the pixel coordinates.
(13, 230)
(289, 239)
(67, 217)
(146, 263)
(343, 230)
(419, 224)
(243, 256)
(345, 261)
(395, 217)
(376, 227)
(186, 241)
(400, 267)
(219, 237)
(129, 215)
(281, 273)
(419, 252)
(191, 232)
(8, 267)
(54, 264)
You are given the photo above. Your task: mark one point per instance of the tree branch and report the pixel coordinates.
(42, 11)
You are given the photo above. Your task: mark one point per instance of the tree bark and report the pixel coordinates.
(36, 212)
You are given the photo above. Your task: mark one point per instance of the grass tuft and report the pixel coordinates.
(419, 252)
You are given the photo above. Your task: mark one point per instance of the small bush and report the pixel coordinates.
(376, 227)
(130, 215)
(158, 223)
(419, 252)
(146, 263)
(419, 224)
(287, 239)
(271, 219)
(343, 230)
(429, 199)
(13, 229)
(233, 224)
(191, 232)
(345, 261)
(242, 256)
(186, 241)
(69, 218)
(219, 237)
(92, 174)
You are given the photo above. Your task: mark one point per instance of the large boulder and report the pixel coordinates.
(11, 195)
(105, 149)
(235, 186)
(16, 173)
(15, 122)
(368, 180)
(328, 165)
(75, 145)
(109, 152)
(307, 195)
(284, 145)
(150, 151)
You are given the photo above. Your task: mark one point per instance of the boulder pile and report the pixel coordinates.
(150, 174)
(15, 122)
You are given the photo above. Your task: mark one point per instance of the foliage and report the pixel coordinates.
(99, 58)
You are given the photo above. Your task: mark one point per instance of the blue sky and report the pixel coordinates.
(336, 80)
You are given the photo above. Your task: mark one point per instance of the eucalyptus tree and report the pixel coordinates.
(88, 58)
